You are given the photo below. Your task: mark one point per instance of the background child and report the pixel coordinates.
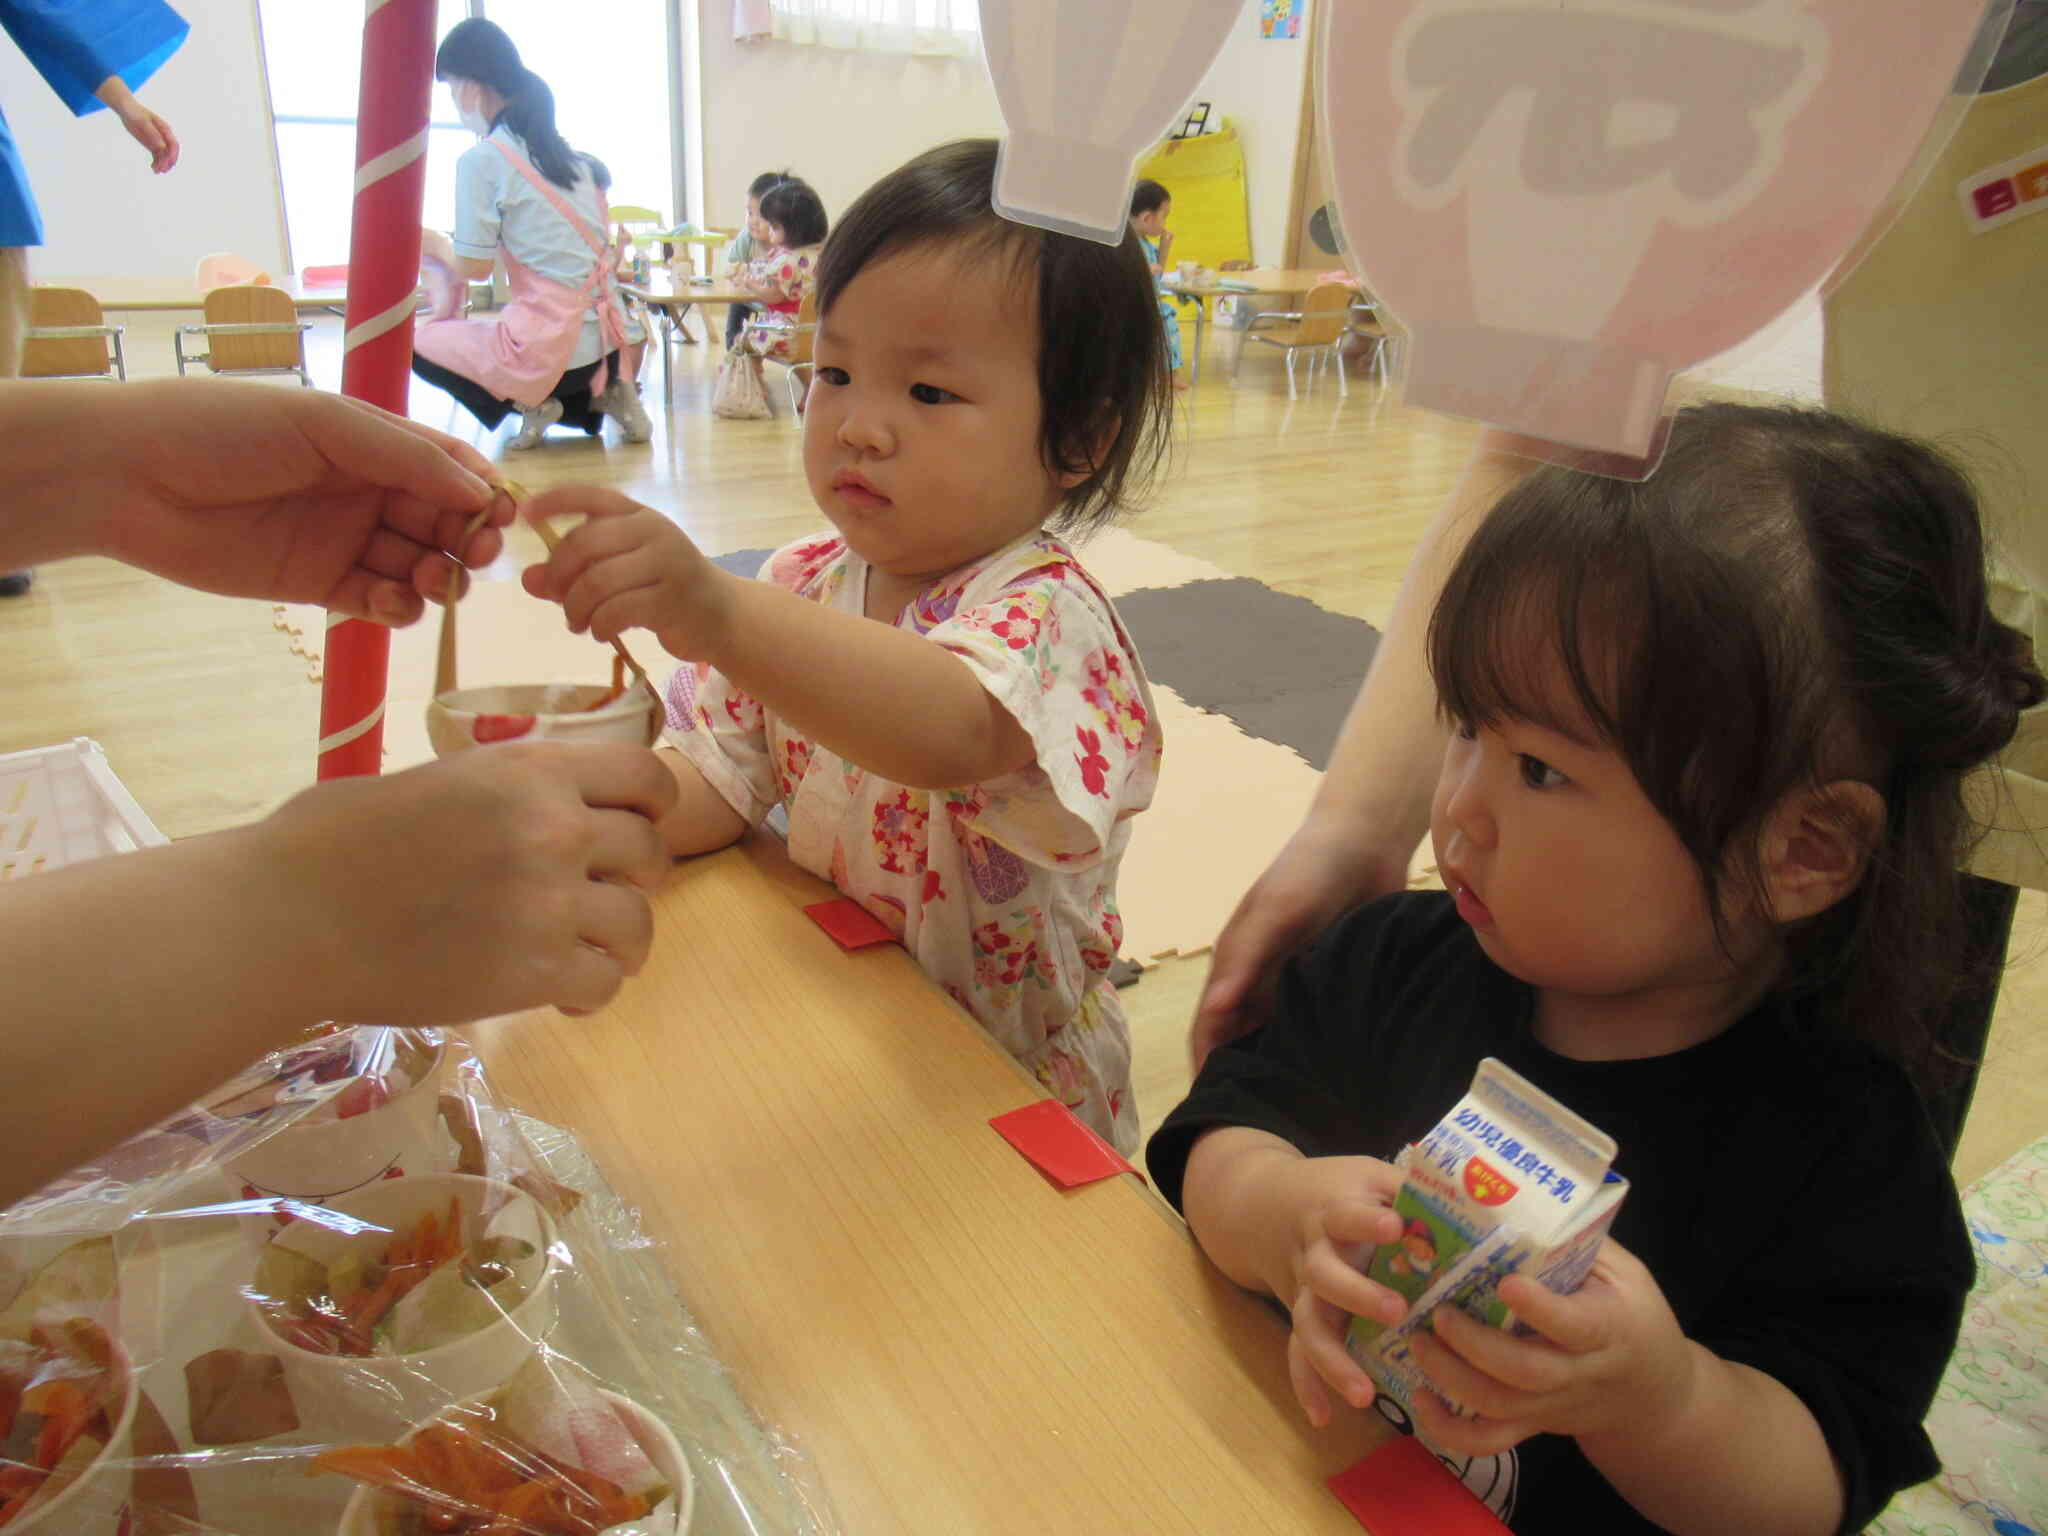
(1150, 205)
(744, 246)
(793, 222)
(941, 697)
(1700, 821)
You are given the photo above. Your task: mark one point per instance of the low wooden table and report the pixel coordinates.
(672, 300)
(957, 1345)
(163, 293)
(1247, 284)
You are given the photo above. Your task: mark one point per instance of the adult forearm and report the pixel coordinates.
(1376, 792)
(113, 92)
(136, 983)
(881, 697)
(59, 501)
(1744, 1458)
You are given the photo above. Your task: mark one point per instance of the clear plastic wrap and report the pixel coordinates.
(352, 1292)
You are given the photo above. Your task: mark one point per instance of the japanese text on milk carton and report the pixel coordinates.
(1509, 1180)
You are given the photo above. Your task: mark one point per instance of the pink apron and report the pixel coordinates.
(522, 353)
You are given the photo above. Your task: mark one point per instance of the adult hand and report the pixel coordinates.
(248, 491)
(1320, 873)
(500, 878)
(143, 125)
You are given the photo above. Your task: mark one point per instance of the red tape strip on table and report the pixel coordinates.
(851, 925)
(1400, 1489)
(1063, 1149)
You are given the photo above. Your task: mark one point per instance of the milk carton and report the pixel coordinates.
(1509, 1180)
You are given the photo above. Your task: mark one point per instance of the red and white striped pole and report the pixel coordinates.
(383, 274)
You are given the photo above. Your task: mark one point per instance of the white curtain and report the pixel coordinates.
(943, 27)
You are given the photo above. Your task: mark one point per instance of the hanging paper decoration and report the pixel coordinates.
(1084, 86)
(1565, 202)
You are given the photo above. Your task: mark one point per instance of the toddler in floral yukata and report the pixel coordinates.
(940, 695)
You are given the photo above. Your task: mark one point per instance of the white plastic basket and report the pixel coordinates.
(60, 805)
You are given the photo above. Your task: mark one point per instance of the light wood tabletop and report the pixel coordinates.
(1248, 283)
(146, 293)
(956, 1344)
(671, 297)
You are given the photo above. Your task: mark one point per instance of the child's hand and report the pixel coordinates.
(1607, 1357)
(628, 567)
(1338, 1205)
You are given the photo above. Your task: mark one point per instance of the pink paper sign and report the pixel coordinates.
(1565, 203)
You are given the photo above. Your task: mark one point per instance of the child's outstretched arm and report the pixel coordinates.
(1289, 1226)
(878, 696)
(1696, 1443)
(701, 819)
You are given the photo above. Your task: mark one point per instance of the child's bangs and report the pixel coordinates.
(1540, 626)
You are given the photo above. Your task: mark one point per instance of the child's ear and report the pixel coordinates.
(1817, 844)
(1104, 439)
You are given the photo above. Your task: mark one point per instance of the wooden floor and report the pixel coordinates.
(210, 721)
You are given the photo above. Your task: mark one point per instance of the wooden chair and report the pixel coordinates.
(249, 328)
(1317, 327)
(1364, 327)
(799, 360)
(68, 338)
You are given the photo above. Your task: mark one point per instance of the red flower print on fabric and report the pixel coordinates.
(798, 567)
(1114, 697)
(1094, 766)
(1017, 628)
(899, 832)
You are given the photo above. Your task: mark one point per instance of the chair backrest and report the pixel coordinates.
(635, 213)
(66, 357)
(1324, 314)
(247, 304)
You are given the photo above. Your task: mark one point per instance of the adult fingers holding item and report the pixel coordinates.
(494, 880)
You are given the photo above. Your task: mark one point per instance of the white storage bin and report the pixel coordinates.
(63, 804)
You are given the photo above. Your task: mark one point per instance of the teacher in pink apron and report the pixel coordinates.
(524, 196)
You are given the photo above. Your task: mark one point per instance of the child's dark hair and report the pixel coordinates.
(796, 210)
(1101, 353)
(767, 179)
(483, 51)
(1148, 195)
(1792, 599)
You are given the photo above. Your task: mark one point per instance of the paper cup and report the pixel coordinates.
(321, 1159)
(363, 1397)
(95, 1503)
(469, 717)
(360, 1516)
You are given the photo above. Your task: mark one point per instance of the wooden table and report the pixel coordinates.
(672, 300)
(163, 293)
(956, 1344)
(1258, 280)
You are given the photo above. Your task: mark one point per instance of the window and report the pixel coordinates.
(947, 27)
(611, 98)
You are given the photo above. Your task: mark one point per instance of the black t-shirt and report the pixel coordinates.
(1787, 1192)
